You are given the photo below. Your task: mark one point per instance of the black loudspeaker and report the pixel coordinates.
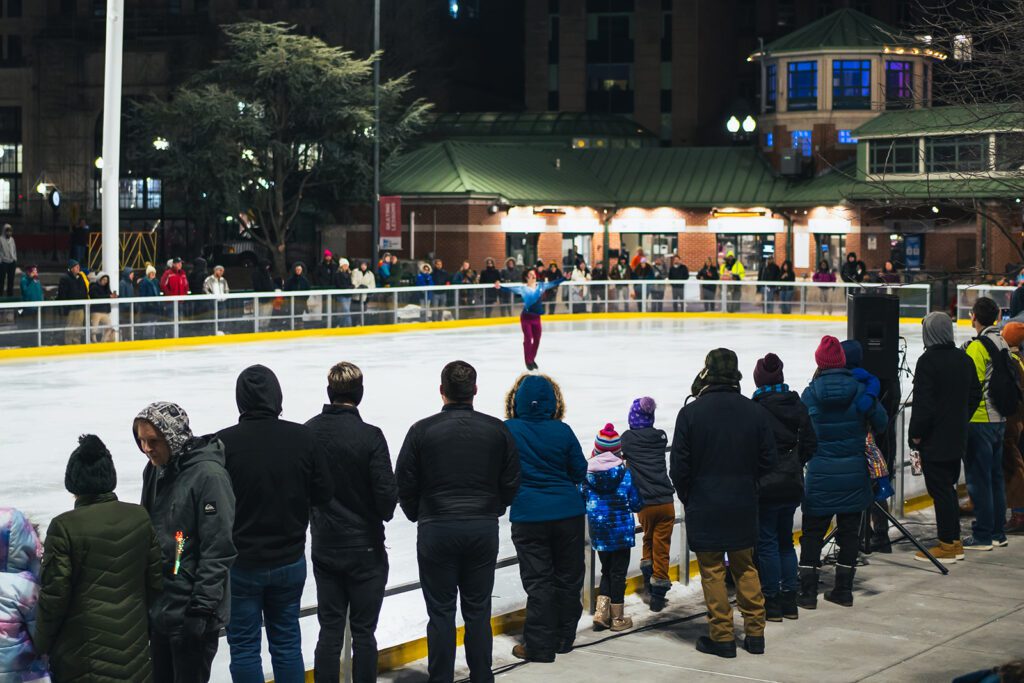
(874, 321)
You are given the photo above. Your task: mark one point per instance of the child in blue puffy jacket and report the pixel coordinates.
(612, 498)
(872, 387)
(20, 554)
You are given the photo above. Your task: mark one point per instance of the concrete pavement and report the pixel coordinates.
(908, 623)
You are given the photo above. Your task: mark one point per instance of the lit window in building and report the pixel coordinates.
(956, 153)
(846, 137)
(453, 9)
(610, 88)
(135, 194)
(899, 85)
(802, 86)
(769, 139)
(771, 86)
(899, 155)
(801, 140)
(963, 48)
(851, 84)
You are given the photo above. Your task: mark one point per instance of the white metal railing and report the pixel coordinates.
(48, 323)
(966, 295)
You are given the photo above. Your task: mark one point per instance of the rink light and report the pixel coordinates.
(41, 188)
(161, 144)
(935, 209)
(749, 124)
(733, 125)
(98, 163)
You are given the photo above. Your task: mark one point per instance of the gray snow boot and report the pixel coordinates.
(659, 587)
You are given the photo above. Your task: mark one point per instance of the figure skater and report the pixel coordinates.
(533, 308)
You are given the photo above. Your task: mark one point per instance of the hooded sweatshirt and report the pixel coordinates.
(19, 591)
(126, 288)
(612, 498)
(192, 495)
(278, 471)
(550, 458)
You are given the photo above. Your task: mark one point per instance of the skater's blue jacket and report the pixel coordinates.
(532, 297)
(550, 457)
(837, 479)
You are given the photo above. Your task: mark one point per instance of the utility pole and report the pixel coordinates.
(112, 146)
(375, 232)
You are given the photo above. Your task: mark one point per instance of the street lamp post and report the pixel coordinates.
(111, 165)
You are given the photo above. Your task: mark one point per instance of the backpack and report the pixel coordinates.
(1004, 382)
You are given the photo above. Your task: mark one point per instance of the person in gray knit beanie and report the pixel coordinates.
(937, 328)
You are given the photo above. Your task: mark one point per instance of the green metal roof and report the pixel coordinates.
(684, 177)
(958, 120)
(843, 29)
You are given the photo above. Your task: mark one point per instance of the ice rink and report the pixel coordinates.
(602, 365)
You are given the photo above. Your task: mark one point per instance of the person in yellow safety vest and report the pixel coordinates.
(732, 269)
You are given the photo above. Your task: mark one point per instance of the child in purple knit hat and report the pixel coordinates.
(643, 448)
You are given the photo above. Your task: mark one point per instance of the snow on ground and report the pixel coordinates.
(601, 365)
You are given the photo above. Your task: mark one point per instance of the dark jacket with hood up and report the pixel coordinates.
(550, 456)
(645, 452)
(278, 471)
(946, 395)
(365, 493)
(458, 464)
(795, 443)
(837, 475)
(722, 446)
(192, 494)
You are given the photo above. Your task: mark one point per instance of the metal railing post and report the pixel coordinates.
(643, 297)
(255, 313)
(175, 314)
(394, 307)
(88, 323)
(901, 453)
(39, 325)
(590, 570)
(216, 316)
(330, 321)
(346, 649)
(725, 296)
(684, 553)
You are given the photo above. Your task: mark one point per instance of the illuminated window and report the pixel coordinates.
(851, 84)
(801, 140)
(803, 86)
(899, 85)
(846, 137)
(769, 139)
(771, 86)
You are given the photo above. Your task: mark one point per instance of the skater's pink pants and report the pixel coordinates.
(530, 322)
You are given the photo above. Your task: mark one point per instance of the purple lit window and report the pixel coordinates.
(899, 84)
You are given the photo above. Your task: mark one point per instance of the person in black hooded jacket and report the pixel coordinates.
(781, 489)
(278, 471)
(350, 564)
(297, 282)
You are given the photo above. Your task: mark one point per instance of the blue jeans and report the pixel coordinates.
(271, 597)
(983, 468)
(776, 558)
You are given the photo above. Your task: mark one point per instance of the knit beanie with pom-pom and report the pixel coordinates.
(607, 440)
(90, 470)
(641, 414)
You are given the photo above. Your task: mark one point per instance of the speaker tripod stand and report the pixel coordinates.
(902, 529)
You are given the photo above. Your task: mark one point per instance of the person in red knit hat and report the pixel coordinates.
(612, 498)
(837, 482)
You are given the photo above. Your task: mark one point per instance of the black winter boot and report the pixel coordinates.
(659, 587)
(711, 647)
(773, 608)
(842, 594)
(808, 598)
(787, 600)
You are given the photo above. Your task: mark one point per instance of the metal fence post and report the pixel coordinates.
(175, 314)
(39, 325)
(216, 316)
(256, 313)
(643, 297)
(330, 307)
(346, 650)
(725, 296)
(684, 553)
(589, 560)
(394, 306)
(88, 323)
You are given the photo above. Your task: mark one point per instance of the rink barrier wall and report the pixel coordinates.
(510, 623)
(45, 324)
(37, 352)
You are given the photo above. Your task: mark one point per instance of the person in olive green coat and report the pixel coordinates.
(100, 571)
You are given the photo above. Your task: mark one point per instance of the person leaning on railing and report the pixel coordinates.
(73, 288)
(825, 276)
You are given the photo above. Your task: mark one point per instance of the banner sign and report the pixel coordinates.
(391, 222)
(914, 251)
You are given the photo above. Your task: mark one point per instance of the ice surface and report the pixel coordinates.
(601, 365)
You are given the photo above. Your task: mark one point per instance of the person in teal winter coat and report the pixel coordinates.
(547, 516)
(837, 482)
(612, 498)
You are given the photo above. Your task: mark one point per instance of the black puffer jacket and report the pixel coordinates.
(644, 451)
(101, 571)
(795, 443)
(457, 464)
(365, 493)
(193, 495)
(946, 394)
(278, 471)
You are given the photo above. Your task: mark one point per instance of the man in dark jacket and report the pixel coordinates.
(770, 273)
(350, 563)
(278, 471)
(678, 271)
(101, 571)
(644, 448)
(946, 394)
(325, 270)
(722, 445)
(441, 278)
(72, 287)
(457, 473)
(263, 281)
(853, 270)
(488, 276)
(188, 495)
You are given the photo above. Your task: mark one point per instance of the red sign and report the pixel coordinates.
(391, 222)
